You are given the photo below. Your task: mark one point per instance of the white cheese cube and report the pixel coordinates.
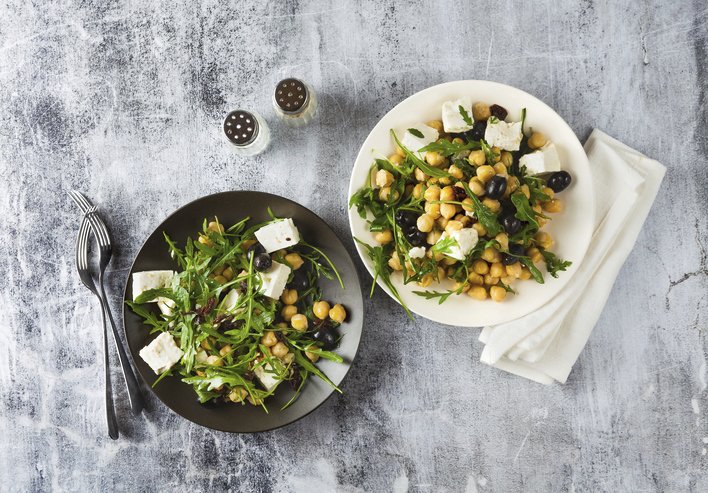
(465, 241)
(230, 301)
(151, 279)
(278, 235)
(416, 252)
(162, 353)
(201, 357)
(453, 122)
(264, 375)
(414, 143)
(274, 280)
(165, 305)
(506, 136)
(544, 160)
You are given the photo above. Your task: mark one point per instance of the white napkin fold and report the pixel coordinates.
(544, 345)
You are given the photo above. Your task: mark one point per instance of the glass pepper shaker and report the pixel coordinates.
(295, 102)
(247, 131)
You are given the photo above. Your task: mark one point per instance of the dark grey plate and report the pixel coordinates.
(231, 207)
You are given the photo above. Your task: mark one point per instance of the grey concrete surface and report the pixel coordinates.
(124, 100)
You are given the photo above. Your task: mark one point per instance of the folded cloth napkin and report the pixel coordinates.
(544, 345)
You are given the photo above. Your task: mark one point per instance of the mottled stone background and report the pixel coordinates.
(124, 100)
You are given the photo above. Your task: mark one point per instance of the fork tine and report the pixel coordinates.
(99, 228)
(77, 200)
(82, 246)
(82, 199)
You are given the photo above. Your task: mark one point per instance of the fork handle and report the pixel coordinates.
(110, 410)
(135, 396)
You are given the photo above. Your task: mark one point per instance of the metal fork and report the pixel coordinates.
(103, 239)
(82, 265)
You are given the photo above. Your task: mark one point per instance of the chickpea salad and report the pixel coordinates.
(462, 203)
(242, 314)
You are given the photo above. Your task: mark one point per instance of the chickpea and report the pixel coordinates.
(447, 194)
(288, 312)
(432, 194)
(437, 256)
(467, 205)
(418, 191)
(481, 112)
(514, 270)
(465, 220)
(548, 191)
(496, 154)
(449, 261)
(214, 361)
(537, 140)
(441, 222)
(477, 292)
(311, 356)
(493, 204)
(503, 240)
(453, 226)
(448, 210)
(485, 173)
(321, 309)
(456, 172)
(288, 358)
(385, 194)
(395, 159)
(463, 286)
(433, 237)
(490, 280)
(477, 158)
(420, 175)
(434, 159)
(384, 178)
(400, 151)
(507, 158)
(525, 274)
(534, 254)
(477, 187)
(507, 279)
(220, 279)
(476, 279)
(237, 394)
(269, 338)
(395, 263)
(444, 180)
(433, 210)
(491, 254)
(204, 240)
(227, 349)
(437, 125)
(279, 350)
(553, 205)
(215, 227)
(425, 223)
(289, 297)
(480, 267)
(525, 190)
(208, 343)
(384, 237)
(338, 313)
(501, 169)
(497, 293)
(432, 181)
(425, 281)
(219, 270)
(481, 230)
(544, 240)
(497, 270)
(299, 322)
(228, 273)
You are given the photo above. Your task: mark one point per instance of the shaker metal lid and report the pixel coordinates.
(241, 127)
(291, 95)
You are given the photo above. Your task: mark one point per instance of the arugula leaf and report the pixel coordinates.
(484, 214)
(523, 119)
(538, 277)
(416, 132)
(447, 148)
(523, 209)
(424, 167)
(442, 296)
(465, 116)
(445, 245)
(553, 263)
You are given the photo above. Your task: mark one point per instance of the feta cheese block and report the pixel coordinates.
(416, 252)
(544, 160)
(230, 301)
(506, 136)
(162, 353)
(151, 279)
(274, 280)
(414, 143)
(165, 305)
(465, 241)
(453, 122)
(278, 235)
(266, 377)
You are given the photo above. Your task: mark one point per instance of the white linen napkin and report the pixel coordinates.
(544, 345)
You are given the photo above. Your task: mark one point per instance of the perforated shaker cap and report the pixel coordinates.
(241, 127)
(291, 95)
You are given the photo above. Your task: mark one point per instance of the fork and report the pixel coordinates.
(82, 265)
(103, 239)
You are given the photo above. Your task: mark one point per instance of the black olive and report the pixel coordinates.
(300, 281)
(416, 238)
(460, 193)
(406, 218)
(515, 251)
(496, 187)
(507, 208)
(262, 262)
(327, 337)
(477, 132)
(410, 229)
(511, 224)
(559, 181)
(498, 111)
(255, 249)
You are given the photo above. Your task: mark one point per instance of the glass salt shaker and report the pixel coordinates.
(247, 131)
(294, 102)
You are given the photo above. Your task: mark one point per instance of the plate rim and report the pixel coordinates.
(134, 353)
(352, 188)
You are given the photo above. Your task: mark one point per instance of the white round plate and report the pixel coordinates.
(571, 229)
